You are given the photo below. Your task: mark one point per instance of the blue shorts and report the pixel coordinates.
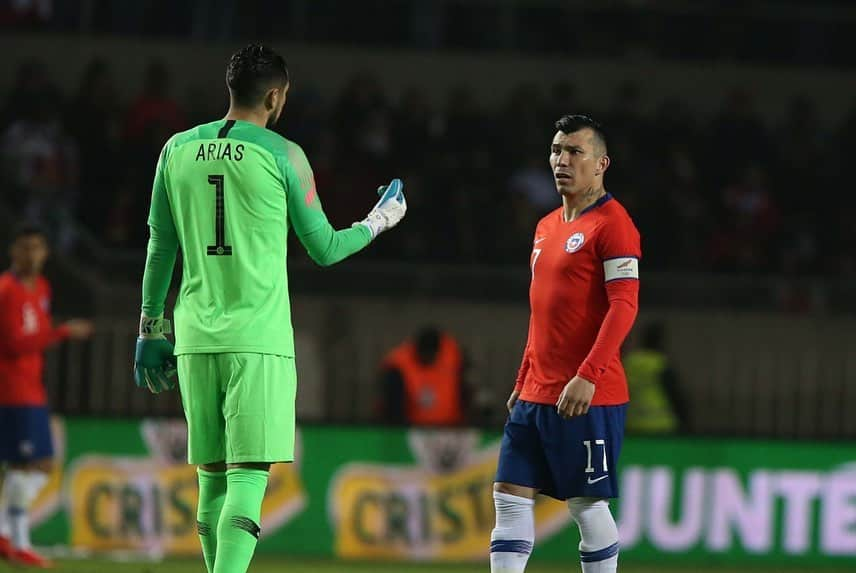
(25, 434)
(562, 458)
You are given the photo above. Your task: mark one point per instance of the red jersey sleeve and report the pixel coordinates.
(14, 341)
(619, 239)
(619, 248)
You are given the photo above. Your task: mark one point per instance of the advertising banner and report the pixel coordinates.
(396, 494)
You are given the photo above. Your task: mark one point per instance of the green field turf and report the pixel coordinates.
(267, 565)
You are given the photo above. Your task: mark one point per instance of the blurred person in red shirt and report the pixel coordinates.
(26, 330)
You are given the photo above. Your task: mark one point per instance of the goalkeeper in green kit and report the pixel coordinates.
(226, 193)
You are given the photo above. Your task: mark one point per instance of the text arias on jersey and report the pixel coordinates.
(220, 150)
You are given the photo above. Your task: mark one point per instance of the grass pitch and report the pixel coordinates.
(285, 565)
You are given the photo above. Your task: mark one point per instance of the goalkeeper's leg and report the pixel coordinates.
(239, 526)
(212, 495)
(202, 398)
(258, 408)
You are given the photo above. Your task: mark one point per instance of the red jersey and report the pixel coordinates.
(583, 297)
(26, 331)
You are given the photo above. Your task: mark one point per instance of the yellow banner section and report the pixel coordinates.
(390, 512)
(145, 505)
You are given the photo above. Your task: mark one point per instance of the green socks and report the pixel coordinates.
(212, 493)
(228, 516)
(238, 528)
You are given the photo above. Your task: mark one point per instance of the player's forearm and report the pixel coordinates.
(19, 345)
(616, 325)
(160, 260)
(327, 246)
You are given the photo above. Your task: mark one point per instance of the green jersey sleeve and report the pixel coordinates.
(324, 244)
(163, 244)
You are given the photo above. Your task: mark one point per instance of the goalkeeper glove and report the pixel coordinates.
(388, 211)
(154, 361)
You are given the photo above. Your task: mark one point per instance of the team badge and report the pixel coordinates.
(575, 242)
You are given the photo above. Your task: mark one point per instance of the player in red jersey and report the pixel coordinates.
(567, 410)
(26, 331)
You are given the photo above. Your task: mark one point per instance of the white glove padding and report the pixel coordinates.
(154, 327)
(388, 211)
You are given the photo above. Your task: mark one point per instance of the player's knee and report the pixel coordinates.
(587, 509)
(597, 526)
(23, 484)
(217, 467)
(503, 488)
(513, 489)
(32, 466)
(263, 466)
(515, 526)
(45, 466)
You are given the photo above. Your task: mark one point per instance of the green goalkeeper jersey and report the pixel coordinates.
(226, 193)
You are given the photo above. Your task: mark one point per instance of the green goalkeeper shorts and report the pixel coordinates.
(239, 407)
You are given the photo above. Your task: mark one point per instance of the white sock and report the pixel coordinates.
(21, 489)
(16, 495)
(512, 538)
(4, 509)
(598, 533)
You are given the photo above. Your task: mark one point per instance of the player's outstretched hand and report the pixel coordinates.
(576, 398)
(512, 400)
(388, 211)
(154, 360)
(79, 329)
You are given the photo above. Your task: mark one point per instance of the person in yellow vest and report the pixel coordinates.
(422, 381)
(656, 405)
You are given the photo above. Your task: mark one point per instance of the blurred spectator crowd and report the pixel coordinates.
(817, 33)
(729, 193)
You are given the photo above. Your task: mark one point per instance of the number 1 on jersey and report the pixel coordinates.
(220, 247)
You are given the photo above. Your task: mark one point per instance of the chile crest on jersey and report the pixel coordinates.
(575, 242)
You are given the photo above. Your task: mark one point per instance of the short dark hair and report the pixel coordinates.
(28, 229)
(252, 71)
(571, 123)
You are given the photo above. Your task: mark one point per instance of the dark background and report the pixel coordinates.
(739, 188)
